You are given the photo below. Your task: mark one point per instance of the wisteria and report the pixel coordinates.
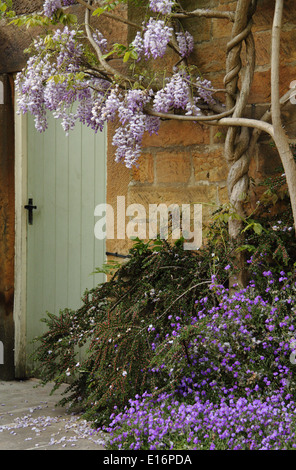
(135, 123)
(205, 90)
(176, 94)
(51, 6)
(38, 91)
(138, 45)
(101, 41)
(156, 38)
(161, 6)
(185, 43)
(57, 78)
(154, 41)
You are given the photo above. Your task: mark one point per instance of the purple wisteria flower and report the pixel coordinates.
(51, 6)
(205, 90)
(40, 88)
(161, 6)
(176, 94)
(49, 84)
(156, 38)
(138, 45)
(101, 41)
(128, 137)
(185, 43)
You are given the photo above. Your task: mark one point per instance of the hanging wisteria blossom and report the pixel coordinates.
(128, 137)
(205, 90)
(156, 38)
(162, 6)
(138, 45)
(38, 90)
(185, 43)
(58, 78)
(51, 6)
(101, 41)
(176, 94)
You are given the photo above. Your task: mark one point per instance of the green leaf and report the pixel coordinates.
(250, 248)
(109, 53)
(257, 228)
(134, 55)
(98, 12)
(126, 56)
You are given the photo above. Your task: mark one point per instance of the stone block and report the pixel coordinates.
(201, 194)
(173, 167)
(210, 165)
(144, 172)
(178, 133)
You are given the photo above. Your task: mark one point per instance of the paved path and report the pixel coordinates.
(30, 420)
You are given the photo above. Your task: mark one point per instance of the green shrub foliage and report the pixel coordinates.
(121, 322)
(139, 330)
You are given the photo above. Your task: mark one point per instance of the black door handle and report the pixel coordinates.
(30, 208)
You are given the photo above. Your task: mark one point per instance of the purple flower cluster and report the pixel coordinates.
(138, 45)
(54, 80)
(185, 43)
(48, 84)
(205, 90)
(167, 422)
(101, 41)
(176, 94)
(237, 389)
(51, 6)
(156, 38)
(161, 6)
(134, 123)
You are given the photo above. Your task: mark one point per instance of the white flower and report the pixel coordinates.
(124, 373)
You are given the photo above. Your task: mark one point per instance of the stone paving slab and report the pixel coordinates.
(30, 420)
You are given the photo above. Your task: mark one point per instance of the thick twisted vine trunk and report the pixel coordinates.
(237, 139)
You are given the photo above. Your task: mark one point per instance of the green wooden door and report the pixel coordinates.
(66, 180)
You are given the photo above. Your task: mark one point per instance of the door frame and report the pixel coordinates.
(20, 277)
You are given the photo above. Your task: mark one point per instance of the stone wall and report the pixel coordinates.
(184, 163)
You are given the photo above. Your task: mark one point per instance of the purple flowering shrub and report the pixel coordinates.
(170, 423)
(123, 321)
(238, 384)
(207, 367)
(240, 345)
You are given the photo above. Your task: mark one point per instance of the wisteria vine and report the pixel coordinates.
(58, 78)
